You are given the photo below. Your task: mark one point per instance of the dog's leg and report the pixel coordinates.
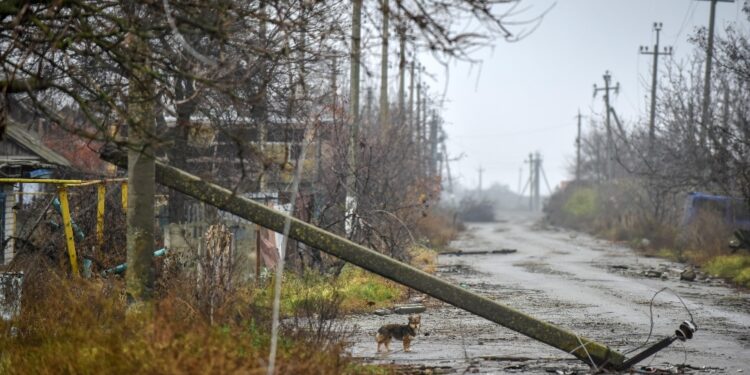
(407, 342)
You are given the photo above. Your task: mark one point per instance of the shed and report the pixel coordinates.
(22, 154)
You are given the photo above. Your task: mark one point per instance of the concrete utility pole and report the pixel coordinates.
(531, 181)
(401, 75)
(410, 123)
(578, 148)
(447, 167)
(480, 170)
(537, 190)
(434, 143)
(423, 131)
(383, 117)
(654, 73)
(609, 172)
(350, 182)
(367, 118)
(705, 115)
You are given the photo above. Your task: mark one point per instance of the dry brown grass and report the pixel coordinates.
(423, 258)
(439, 228)
(85, 327)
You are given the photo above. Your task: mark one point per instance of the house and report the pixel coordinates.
(22, 155)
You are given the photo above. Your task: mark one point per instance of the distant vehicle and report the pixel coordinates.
(733, 211)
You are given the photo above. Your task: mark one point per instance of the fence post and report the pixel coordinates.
(100, 195)
(68, 226)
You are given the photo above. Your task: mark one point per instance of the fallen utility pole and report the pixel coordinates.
(582, 348)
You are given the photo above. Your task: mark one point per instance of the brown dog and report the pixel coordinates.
(403, 332)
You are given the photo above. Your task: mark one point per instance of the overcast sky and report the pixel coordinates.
(525, 95)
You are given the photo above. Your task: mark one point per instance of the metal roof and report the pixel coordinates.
(33, 144)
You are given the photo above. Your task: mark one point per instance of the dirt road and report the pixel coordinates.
(592, 287)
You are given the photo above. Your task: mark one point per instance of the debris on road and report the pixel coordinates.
(414, 308)
(688, 274)
(653, 274)
(480, 252)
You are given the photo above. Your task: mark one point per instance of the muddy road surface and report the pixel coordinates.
(595, 288)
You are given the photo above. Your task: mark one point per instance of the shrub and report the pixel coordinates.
(730, 266)
(582, 204)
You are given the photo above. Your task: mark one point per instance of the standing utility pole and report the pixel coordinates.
(401, 75)
(537, 191)
(609, 172)
(578, 149)
(418, 115)
(531, 181)
(423, 132)
(433, 144)
(480, 170)
(707, 78)
(350, 203)
(645, 51)
(410, 123)
(383, 114)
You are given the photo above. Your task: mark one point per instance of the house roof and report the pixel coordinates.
(29, 141)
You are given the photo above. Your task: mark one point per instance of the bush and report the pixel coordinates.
(582, 204)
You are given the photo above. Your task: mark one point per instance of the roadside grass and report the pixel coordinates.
(84, 327)
(357, 289)
(423, 258)
(733, 267)
(669, 253)
(438, 228)
(620, 212)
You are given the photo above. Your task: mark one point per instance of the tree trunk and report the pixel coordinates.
(141, 175)
(178, 153)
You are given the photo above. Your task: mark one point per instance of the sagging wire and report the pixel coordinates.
(583, 346)
(282, 251)
(651, 316)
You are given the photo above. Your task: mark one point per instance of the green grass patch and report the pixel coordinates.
(356, 289)
(733, 267)
(582, 203)
(668, 253)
